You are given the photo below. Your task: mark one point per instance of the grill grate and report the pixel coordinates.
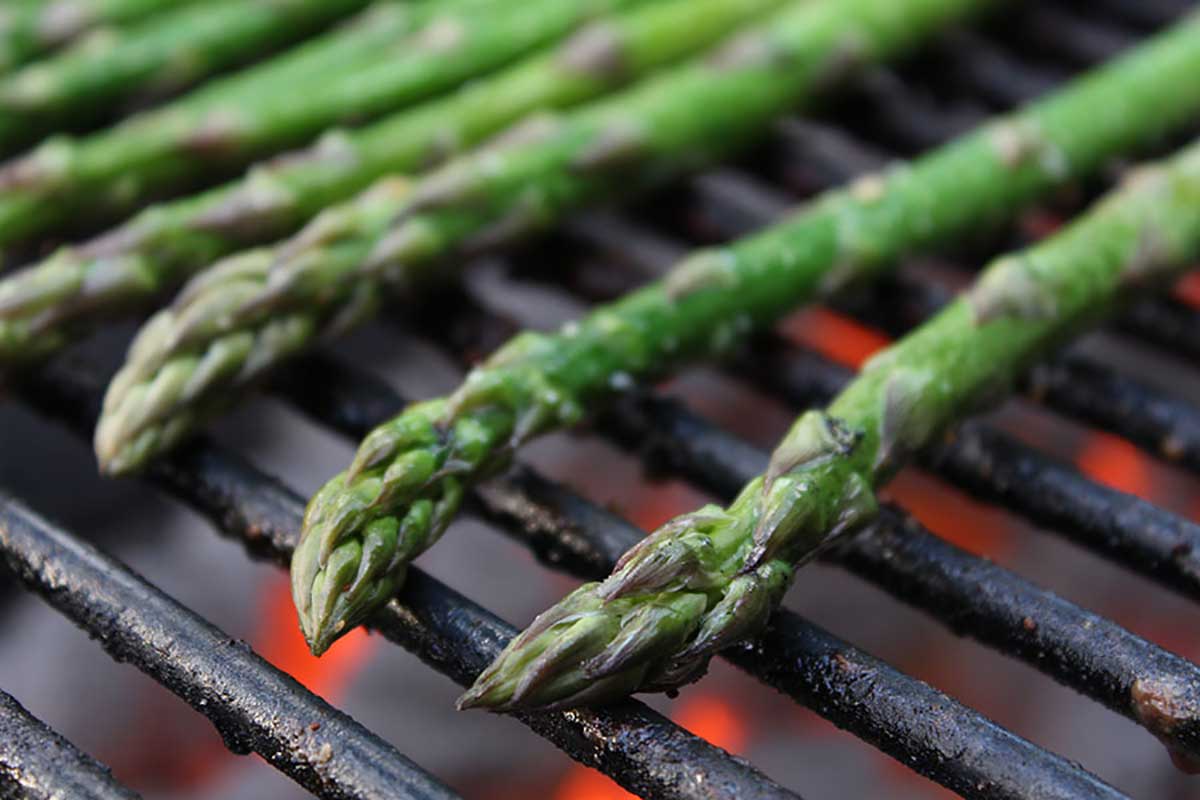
(38, 764)
(259, 709)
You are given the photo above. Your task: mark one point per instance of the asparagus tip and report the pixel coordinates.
(341, 572)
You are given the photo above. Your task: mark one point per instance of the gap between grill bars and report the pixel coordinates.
(643, 751)
(637, 747)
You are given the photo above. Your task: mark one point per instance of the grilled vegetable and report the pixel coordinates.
(50, 304)
(261, 307)
(159, 56)
(364, 527)
(711, 578)
(29, 28)
(404, 486)
(370, 69)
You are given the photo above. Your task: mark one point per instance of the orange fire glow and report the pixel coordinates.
(714, 718)
(834, 335)
(1116, 463)
(1188, 289)
(584, 783)
(278, 640)
(710, 716)
(958, 519)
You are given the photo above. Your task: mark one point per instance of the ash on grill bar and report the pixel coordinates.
(315, 276)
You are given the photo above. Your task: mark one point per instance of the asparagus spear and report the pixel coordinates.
(48, 305)
(29, 28)
(367, 524)
(161, 55)
(234, 322)
(710, 578)
(228, 125)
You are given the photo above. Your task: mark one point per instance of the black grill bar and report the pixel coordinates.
(965, 751)
(1051, 32)
(255, 707)
(908, 719)
(637, 747)
(1159, 424)
(1146, 14)
(36, 763)
(1060, 640)
(1170, 324)
(972, 596)
(1136, 534)
(1076, 386)
(996, 467)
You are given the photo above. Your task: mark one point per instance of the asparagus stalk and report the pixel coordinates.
(28, 28)
(710, 578)
(242, 118)
(366, 525)
(234, 322)
(46, 306)
(161, 55)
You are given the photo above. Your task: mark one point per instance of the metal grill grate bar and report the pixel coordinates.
(1134, 533)
(255, 707)
(637, 747)
(796, 657)
(679, 442)
(996, 467)
(643, 751)
(974, 597)
(36, 763)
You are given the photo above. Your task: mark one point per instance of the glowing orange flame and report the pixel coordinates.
(952, 515)
(1116, 463)
(1188, 289)
(584, 783)
(1039, 224)
(279, 641)
(834, 335)
(136, 759)
(712, 717)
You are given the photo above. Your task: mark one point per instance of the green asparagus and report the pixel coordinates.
(161, 55)
(228, 125)
(365, 525)
(45, 307)
(28, 29)
(236, 321)
(711, 578)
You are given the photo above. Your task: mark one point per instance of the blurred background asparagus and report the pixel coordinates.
(159, 56)
(260, 308)
(46, 306)
(29, 28)
(402, 53)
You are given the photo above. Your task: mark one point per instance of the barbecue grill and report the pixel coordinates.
(258, 708)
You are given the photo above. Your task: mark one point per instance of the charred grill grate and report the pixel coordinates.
(259, 709)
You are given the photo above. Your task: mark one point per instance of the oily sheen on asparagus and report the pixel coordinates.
(52, 303)
(159, 56)
(232, 122)
(232, 323)
(367, 524)
(711, 578)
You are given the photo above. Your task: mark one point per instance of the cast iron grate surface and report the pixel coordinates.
(890, 114)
